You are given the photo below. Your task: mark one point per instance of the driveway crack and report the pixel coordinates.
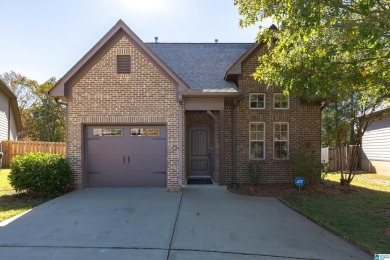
(174, 227)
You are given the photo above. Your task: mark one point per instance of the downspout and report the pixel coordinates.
(66, 123)
(234, 130)
(180, 166)
(9, 119)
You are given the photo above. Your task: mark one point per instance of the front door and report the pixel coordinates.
(199, 145)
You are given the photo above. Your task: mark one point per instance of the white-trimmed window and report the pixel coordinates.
(107, 132)
(256, 100)
(256, 141)
(281, 101)
(281, 141)
(140, 131)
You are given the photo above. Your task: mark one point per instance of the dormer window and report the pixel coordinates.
(123, 64)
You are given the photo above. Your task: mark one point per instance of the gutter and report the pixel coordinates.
(59, 101)
(211, 94)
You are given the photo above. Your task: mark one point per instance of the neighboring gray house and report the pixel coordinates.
(376, 144)
(10, 121)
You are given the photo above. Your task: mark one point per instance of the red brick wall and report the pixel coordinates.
(101, 96)
(304, 128)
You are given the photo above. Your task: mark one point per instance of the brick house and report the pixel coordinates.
(157, 114)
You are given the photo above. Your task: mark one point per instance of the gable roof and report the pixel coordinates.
(201, 65)
(14, 105)
(59, 88)
(235, 68)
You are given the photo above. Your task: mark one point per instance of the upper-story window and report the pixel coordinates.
(123, 64)
(281, 101)
(256, 100)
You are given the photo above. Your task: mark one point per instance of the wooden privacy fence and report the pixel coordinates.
(13, 148)
(330, 156)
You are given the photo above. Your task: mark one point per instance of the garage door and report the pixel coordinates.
(126, 156)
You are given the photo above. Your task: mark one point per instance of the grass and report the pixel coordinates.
(11, 203)
(362, 218)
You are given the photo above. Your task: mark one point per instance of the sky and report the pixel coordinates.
(41, 39)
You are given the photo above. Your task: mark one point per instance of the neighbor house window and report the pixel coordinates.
(140, 131)
(123, 64)
(256, 140)
(280, 101)
(281, 141)
(256, 100)
(107, 132)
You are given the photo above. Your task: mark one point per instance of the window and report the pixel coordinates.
(107, 132)
(123, 64)
(139, 131)
(280, 101)
(281, 141)
(256, 141)
(256, 100)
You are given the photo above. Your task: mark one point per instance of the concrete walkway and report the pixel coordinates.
(203, 222)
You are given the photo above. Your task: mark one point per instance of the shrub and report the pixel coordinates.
(304, 165)
(254, 173)
(41, 174)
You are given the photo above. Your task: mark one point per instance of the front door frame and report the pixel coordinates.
(203, 175)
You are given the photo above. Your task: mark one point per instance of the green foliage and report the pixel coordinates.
(334, 50)
(324, 48)
(41, 174)
(304, 165)
(37, 108)
(254, 171)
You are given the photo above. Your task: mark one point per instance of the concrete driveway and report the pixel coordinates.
(203, 222)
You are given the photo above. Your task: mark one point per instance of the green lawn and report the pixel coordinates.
(362, 218)
(12, 204)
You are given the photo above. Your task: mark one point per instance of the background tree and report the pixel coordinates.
(21, 86)
(327, 48)
(43, 118)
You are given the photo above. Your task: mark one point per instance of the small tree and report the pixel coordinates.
(325, 49)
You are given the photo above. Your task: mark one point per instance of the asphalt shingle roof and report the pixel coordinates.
(201, 65)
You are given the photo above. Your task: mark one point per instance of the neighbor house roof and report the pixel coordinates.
(14, 104)
(381, 108)
(201, 65)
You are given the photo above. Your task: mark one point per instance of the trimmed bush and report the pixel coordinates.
(41, 174)
(304, 165)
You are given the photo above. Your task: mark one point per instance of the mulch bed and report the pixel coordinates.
(287, 189)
